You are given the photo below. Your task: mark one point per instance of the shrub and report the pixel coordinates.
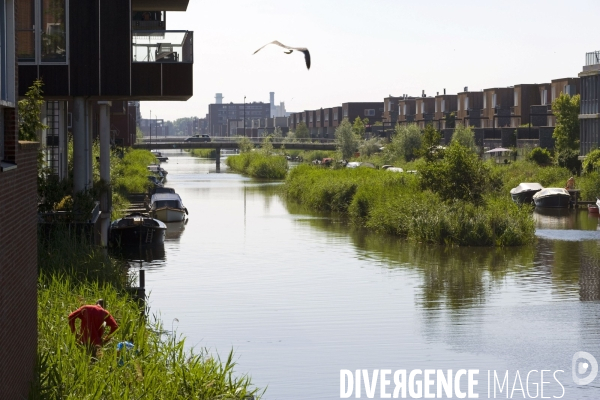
(540, 156)
(405, 144)
(592, 161)
(259, 165)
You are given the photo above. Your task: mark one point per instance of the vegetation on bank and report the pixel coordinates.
(73, 273)
(203, 153)
(258, 163)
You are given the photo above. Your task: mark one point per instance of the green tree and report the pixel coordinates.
(430, 142)
(245, 144)
(405, 143)
(566, 133)
(592, 161)
(465, 136)
(29, 112)
(302, 132)
(277, 133)
(540, 156)
(461, 174)
(358, 127)
(346, 140)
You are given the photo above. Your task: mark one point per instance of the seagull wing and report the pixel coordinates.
(302, 49)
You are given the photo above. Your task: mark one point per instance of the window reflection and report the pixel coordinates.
(53, 31)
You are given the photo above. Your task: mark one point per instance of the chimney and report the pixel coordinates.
(423, 93)
(466, 88)
(444, 91)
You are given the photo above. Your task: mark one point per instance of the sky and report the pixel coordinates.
(368, 50)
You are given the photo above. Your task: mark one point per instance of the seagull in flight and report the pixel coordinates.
(291, 49)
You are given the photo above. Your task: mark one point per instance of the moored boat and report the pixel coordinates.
(167, 207)
(137, 229)
(552, 198)
(523, 194)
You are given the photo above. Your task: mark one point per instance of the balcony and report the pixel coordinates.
(162, 46)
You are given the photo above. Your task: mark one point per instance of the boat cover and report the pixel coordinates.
(526, 187)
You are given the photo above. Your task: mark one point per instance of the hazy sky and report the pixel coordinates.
(367, 50)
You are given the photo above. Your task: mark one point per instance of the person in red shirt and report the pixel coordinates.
(93, 320)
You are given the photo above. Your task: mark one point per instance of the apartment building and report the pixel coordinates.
(469, 106)
(407, 110)
(371, 110)
(390, 109)
(497, 103)
(424, 111)
(221, 116)
(525, 96)
(18, 231)
(445, 106)
(589, 117)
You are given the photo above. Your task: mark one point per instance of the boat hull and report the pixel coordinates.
(553, 201)
(137, 235)
(524, 197)
(168, 214)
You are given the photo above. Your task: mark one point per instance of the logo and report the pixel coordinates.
(582, 361)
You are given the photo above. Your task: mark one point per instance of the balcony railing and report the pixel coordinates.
(162, 46)
(592, 58)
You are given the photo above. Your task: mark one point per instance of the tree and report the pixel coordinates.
(405, 143)
(430, 142)
(346, 140)
(566, 133)
(461, 174)
(29, 112)
(277, 133)
(302, 131)
(359, 127)
(465, 136)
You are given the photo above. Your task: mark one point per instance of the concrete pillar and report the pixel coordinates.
(89, 117)
(79, 145)
(105, 197)
(218, 158)
(63, 142)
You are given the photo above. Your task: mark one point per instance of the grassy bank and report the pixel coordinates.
(203, 153)
(259, 165)
(73, 274)
(394, 203)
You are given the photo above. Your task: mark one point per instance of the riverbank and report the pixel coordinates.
(73, 273)
(394, 203)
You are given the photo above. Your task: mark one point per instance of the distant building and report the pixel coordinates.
(589, 117)
(220, 115)
(469, 106)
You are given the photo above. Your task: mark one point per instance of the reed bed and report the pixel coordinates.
(393, 203)
(203, 153)
(259, 165)
(73, 273)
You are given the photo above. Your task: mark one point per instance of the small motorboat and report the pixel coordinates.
(523, 194)
(593, 208)
(167, 207)
(137, 229)
(552, 198)
(160, 157)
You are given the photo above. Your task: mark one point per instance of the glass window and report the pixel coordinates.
(467, 103)
(436, 106)
(544, 97)
(443, 105)
(54, 43)
(458, 106)
(494, 100)
(516, 101)
(423, 108)
(553, 93)
(484, 100)
(26, 31)
(404, 109)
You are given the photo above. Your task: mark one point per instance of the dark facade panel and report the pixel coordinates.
(178, 80)
(27, 75)
(56, 80)
(84, 47)
(115, 48)
(145, 79)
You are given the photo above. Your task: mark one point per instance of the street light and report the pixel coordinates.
(244, 118)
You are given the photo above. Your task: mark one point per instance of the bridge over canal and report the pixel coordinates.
(229, 143)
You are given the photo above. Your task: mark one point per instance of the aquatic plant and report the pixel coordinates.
(259, 165)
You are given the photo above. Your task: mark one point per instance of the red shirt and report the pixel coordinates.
(92, 318)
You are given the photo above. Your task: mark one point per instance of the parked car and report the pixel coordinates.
(198, 138)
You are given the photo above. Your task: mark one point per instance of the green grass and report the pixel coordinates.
(259, 165)
(203, 153)
(73, 273)
(393, 203)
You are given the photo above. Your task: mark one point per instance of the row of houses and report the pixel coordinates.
(515, 106)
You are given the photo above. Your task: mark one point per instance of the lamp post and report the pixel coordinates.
(150, 128)
(244, 117)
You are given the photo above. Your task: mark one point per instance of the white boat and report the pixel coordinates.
(552, 198)
(167, 207)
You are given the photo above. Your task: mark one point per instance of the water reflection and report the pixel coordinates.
(463, 277)
(175, 229)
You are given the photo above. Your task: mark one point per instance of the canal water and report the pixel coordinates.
(299, 296)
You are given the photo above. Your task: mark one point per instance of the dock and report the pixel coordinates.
(136, 203)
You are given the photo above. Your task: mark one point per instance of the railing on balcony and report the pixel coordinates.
(162, 46)
(592, 58)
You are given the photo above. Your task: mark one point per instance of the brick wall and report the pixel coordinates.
(18, 273)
